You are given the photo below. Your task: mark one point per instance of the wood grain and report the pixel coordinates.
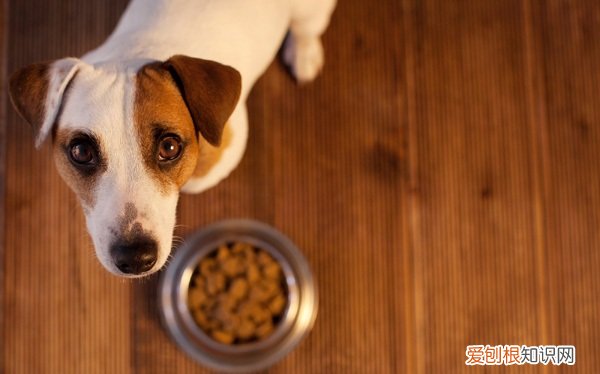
(442, 177)
(62, 312)
(568, 55)
(3, 102)
(474, 253)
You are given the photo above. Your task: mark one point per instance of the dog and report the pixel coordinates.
(159, 108)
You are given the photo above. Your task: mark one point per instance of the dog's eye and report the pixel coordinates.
(83, 153)
(169, 148)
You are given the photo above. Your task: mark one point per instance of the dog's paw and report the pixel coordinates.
(304, 56)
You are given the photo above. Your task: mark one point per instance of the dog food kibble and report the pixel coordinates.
(237, 294)
(277, 305)
(222, 336)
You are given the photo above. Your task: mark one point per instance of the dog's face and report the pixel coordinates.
(126, 140)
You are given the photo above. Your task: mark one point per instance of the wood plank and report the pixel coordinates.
(345, 203)
(61, 310)
(3, 102)
(474, 236)
(568, 54)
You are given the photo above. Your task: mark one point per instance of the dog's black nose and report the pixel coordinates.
(135, 256)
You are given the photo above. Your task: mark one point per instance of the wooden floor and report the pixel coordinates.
(442, 177)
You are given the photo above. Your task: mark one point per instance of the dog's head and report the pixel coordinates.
(125, 140)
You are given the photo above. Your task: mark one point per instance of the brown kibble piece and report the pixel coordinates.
(272, 271)
(265, 329)
(199, 281)
(201, 319)
(233, 266)
(253, 273)
(207, 265)
(231, 323)
(196, 298)
(277, 305)
(223, 253)
(270, 288)
(226, 302)
(213, 324)
(246, 329)
(240, 247)
(209, 303)
(258, 294)
(245, 308)
(263, 258)
(238, 288)
(259, 314)
(219, 314)
(249, 254)
(223, 336)
(215, 283)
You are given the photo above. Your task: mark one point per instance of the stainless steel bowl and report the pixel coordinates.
(298, 317)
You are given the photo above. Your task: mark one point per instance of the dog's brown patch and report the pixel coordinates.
(159, 108)
(28, 89)
(83, 184)
(209, 89)
(209, 155)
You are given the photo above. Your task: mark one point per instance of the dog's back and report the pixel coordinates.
(244, 34)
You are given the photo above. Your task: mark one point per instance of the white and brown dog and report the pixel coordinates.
(159, 108)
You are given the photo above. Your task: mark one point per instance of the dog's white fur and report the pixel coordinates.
(244, 34)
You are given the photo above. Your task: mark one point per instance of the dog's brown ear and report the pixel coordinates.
(36, 92)
(210, 91)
